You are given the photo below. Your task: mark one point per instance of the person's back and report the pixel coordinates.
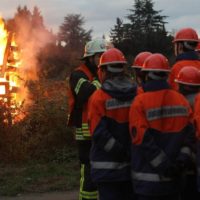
(185, 43)
(188, 80)
(161, 140)
(197, 125)
(191, 60)
(108, 117)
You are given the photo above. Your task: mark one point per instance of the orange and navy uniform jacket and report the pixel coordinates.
(108, 119)
(197, 126)
(162, 135)
(185, 59)
(197, 115)
(82, 84)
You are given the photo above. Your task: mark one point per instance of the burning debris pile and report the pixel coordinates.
(10, 63)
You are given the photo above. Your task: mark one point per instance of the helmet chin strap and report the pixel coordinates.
(178, 49)
(155, 76)
(188, 46)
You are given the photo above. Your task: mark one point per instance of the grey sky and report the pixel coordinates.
(100, 15)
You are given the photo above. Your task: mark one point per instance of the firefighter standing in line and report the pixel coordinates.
(83, 82)
(185, 42)
(137, 66)
(197, 125)
(161, 135)
(188, 80)
(108, 117)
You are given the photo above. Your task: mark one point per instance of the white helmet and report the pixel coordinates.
(93, 47)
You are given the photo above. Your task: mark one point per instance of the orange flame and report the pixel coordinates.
(9, 74)
(3, 40)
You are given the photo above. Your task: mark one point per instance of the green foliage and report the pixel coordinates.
(53, 63)
(38, 154)
(145, 31)
(72, 38)
(117, 33)
(72, 32)
(42, 134)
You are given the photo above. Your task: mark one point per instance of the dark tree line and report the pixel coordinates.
(144, 31)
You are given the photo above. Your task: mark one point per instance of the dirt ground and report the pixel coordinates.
(71, 195)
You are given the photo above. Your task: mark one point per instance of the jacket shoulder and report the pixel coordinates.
(99, 95)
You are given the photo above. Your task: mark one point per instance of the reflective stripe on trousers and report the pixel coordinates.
(84, 195)
(109, 165)
(149, 177)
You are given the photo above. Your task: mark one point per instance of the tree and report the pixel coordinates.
(72, 32)
(37, 19)
(117, 33)
(22, 22)
(145, 30)
(74, 37)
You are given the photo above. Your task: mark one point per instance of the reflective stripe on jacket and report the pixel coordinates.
(110, 152)
(82, 85)
(161, 135)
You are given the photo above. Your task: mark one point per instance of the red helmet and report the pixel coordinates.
(189, 75)
(140, 58)
(111, 57)
(186, 34)
(157, 63)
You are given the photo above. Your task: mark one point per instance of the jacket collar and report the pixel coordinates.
(121, 88)
(191, 55)
(155, 85)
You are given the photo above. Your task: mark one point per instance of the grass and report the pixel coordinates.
(39, 177)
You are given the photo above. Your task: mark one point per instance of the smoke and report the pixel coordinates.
(30, 41)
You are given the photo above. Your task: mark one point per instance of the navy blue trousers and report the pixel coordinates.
(116, 190)
(168, 197)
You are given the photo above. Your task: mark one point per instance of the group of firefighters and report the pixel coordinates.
(138, 139)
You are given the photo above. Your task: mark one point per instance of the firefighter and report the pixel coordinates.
(185, 42)
(160, 129)
(197, 125)
(83, 82)
(108, 117)
(137, 66)
(188, 80)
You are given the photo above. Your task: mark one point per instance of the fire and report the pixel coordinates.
(3, 41)
(10, 62)
(2, 89)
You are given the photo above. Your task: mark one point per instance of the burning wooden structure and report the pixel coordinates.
(9, 71)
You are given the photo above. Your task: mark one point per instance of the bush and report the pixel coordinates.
(42, 134)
